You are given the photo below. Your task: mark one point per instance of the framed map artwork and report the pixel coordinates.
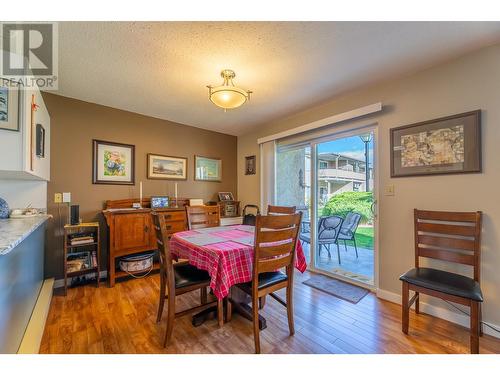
(446, 145)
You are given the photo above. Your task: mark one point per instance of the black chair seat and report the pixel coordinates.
(187, 275)
(445, 282)
(265, 279)
(306, 237)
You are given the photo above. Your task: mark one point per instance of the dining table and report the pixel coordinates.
(226, 253)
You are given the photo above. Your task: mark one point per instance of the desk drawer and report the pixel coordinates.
(175, 216)
(175, 226)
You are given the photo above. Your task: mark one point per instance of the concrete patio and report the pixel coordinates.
(360, 268)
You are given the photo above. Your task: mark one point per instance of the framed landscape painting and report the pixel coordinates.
(445, 145)
(113, 163)
(165, 167)
(207, 169)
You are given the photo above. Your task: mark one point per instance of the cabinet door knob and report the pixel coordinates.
(146, 228)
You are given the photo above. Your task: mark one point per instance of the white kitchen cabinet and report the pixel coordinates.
(18, 158)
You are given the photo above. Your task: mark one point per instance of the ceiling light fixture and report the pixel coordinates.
(228, 96)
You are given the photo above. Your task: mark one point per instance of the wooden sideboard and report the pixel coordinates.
(130, 230)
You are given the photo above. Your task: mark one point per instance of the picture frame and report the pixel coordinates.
(40, 141)
(113, 163)
(207, 169)
(225, 196)
(447, 145)
(160, 201)
(250, 165)
(10, 103)
(164, 167)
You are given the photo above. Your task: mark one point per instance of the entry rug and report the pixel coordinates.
(337, 288)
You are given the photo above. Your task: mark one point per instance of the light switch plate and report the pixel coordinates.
(389, 190)
(66, 197)
(57, 198)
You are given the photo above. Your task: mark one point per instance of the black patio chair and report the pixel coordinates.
(348, 229)
(328, 233)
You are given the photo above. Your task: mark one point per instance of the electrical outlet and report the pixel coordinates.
(57, 198)
(66, 197)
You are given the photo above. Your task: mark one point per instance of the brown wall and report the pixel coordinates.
(75, 123)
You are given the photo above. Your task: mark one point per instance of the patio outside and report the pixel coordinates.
(341, 194)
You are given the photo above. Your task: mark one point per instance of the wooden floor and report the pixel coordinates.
(122, 320)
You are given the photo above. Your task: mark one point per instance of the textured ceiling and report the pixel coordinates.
(161, 69)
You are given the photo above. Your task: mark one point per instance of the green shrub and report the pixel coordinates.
(344, 203)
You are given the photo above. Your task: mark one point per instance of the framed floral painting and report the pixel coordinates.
(113, 163)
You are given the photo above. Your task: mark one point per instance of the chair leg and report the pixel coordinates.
(262, 302)
(338, 252)
(345, 246)
(480, 319)
(229, 310)
(220, 312)
(203, 295)
(355, 247)
(289, 309)
(161, 302)
(405, 310)
(255, 320)
(170, 319)
(474, 327)
(417, 303)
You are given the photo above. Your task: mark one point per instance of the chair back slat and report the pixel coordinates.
(280, 210)
(275, 242)
(273, 264)
(457, 230)
(449, 236)
(449, 256)
(446, 242)
(275, 235)
(202, 216)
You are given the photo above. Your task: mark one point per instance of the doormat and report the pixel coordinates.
(337, 288)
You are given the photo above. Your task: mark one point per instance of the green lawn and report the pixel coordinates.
(364, 237)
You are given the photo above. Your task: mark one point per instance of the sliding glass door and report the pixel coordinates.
(293, 181)
(331, 180)
(345, 207)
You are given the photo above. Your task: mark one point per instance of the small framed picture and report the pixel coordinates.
(250, 166)
(207, 169)
(163, 167)
(9, 105)
(159, 202)
(445, 145)
(40, 141)
(113, 163)
(226, 196)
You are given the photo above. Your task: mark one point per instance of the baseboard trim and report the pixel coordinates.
(439, 312)
(32, 338)
(59, 283)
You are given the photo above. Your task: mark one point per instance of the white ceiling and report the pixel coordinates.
(161, 69)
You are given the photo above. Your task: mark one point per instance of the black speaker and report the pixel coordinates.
(75, 214)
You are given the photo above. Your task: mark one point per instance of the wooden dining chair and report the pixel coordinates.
(202, 216)
(280, 210)
(275, 246)
(451, 237)
(177, 279)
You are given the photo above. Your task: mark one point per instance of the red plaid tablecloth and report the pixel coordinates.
(228, 262)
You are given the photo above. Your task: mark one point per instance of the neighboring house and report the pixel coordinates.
(337, 173)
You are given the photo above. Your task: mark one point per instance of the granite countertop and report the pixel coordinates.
(14, 231)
